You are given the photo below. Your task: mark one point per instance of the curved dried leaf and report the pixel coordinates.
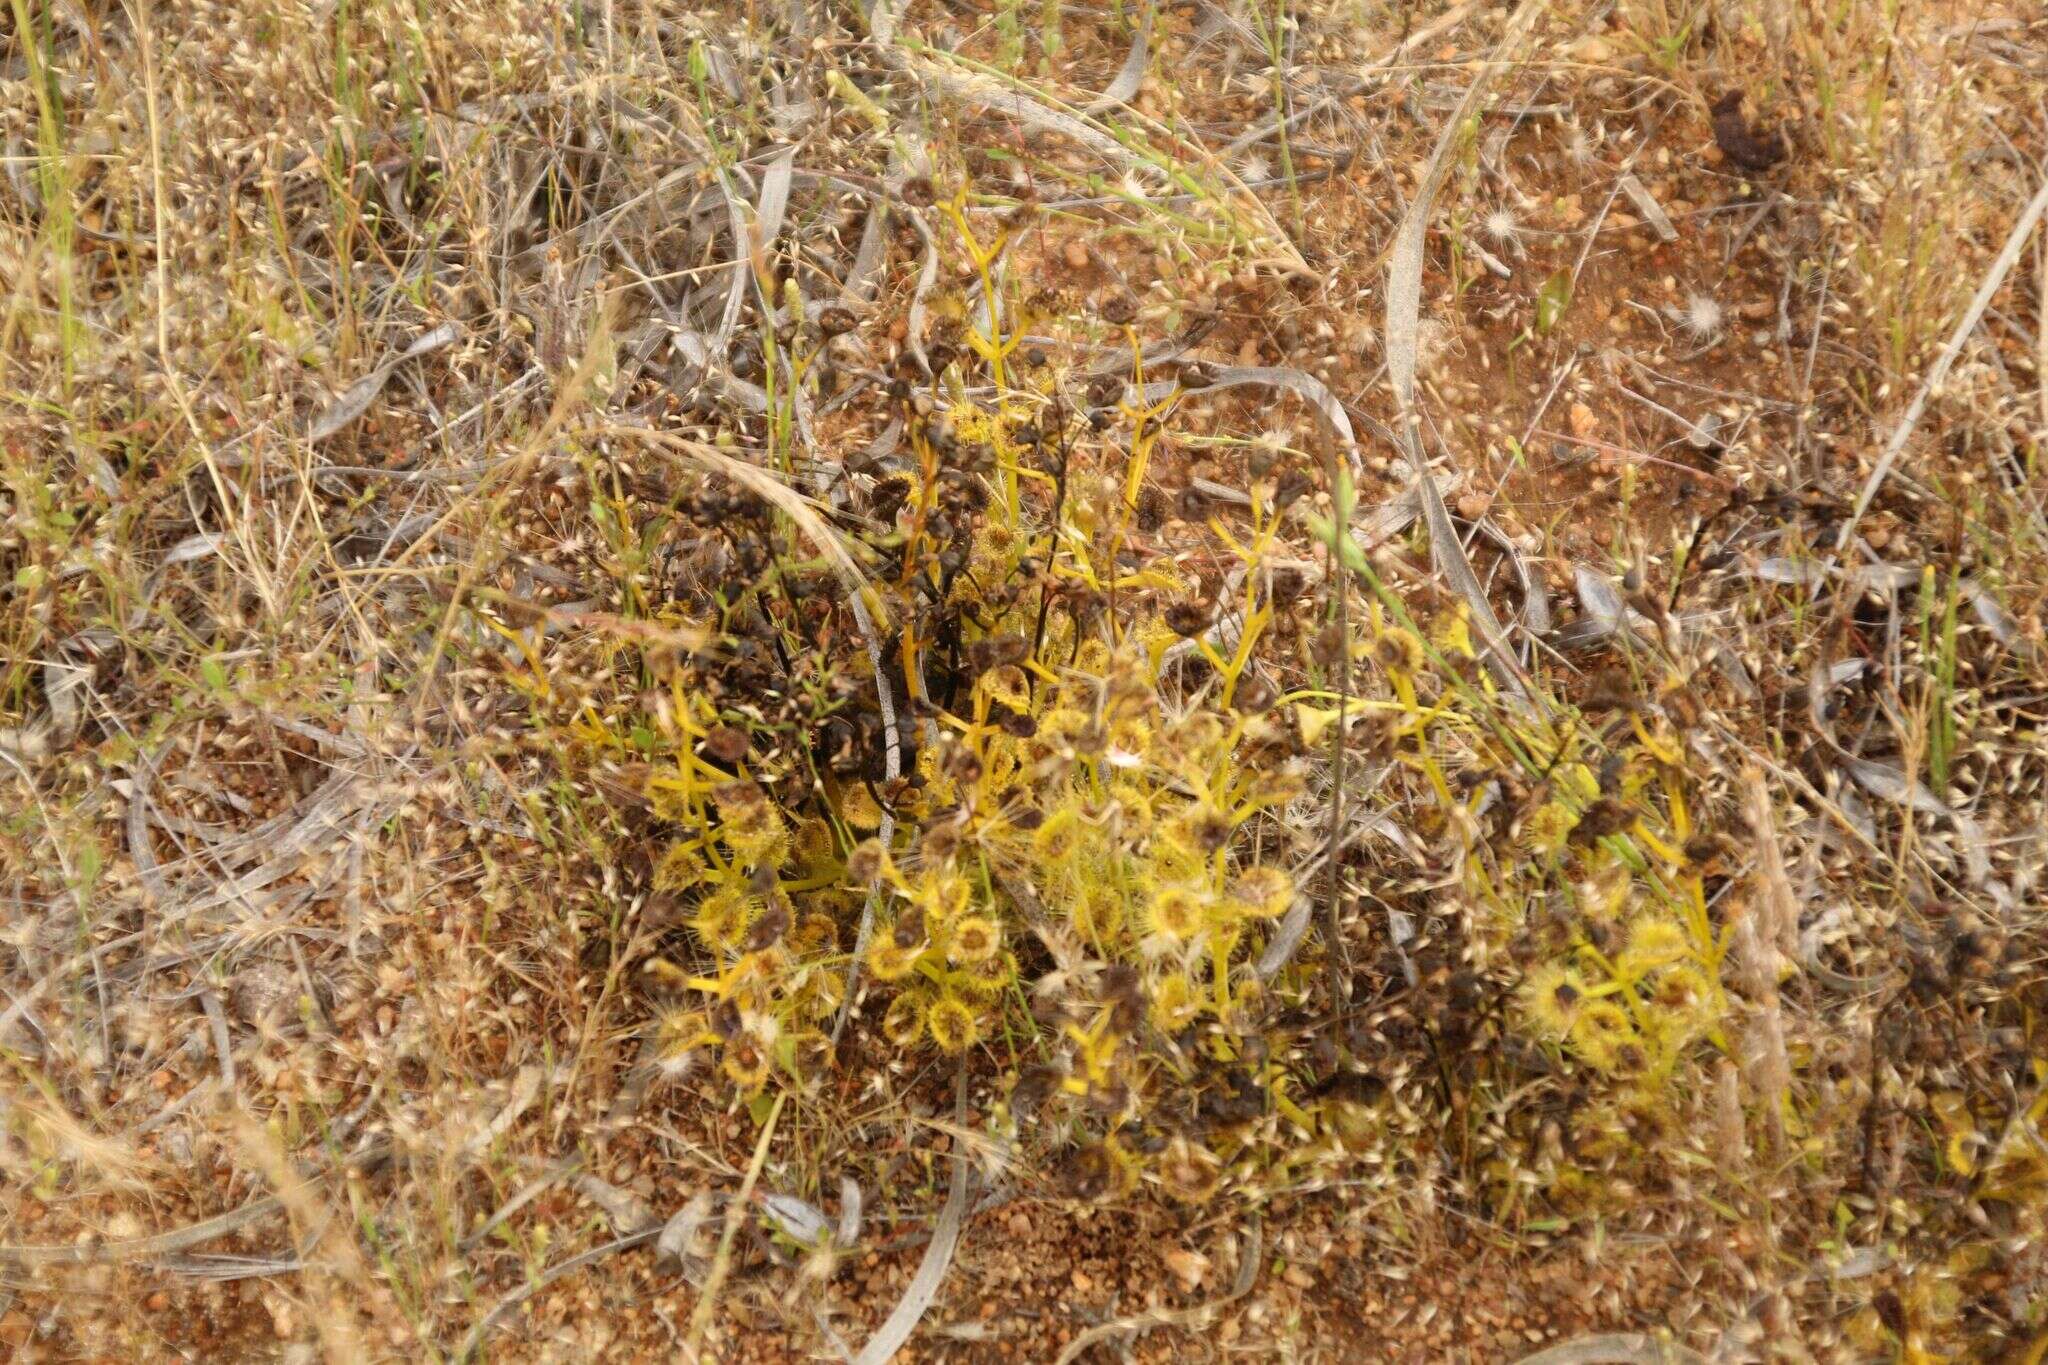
(1800, 573)
(1132, 74)
(1298, 382)
(796, 1218)
(931, 1271)
(848, 1231)
(680, 1243)
(1890, 784)
(355, 400)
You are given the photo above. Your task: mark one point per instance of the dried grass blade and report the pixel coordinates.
(1889, 784)
(1132, 74)
(1298, 382)
(982, 92)
(1646, 204)
(2015, 241)
(798, 508)
(772, 206)
(1616, 1348)
(1404, 320)
(145, 1248)
(931, 1271)
(1448, 552)
(355, 400)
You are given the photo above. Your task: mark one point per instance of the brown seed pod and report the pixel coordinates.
(1124, 993)
(727, 744)
(1746, 148)
(1189, 617)
(1033, 1089)
(1604, 817)
(740, 795)
(1089, 1173)
(768, 930)
(864, 864)
(996, 651)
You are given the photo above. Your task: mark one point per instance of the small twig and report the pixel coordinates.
(1820, 322)
(1616, 1348)
(553, 1273)
(1938, 371)
(1194, 1319)
(1719, 481)
(166, 1243)
(1338, 965)
(735, 1215)
(892, 769)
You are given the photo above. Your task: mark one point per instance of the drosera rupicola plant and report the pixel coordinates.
(1100, 830)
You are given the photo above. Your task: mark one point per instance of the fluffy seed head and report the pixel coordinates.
(1701, 318)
